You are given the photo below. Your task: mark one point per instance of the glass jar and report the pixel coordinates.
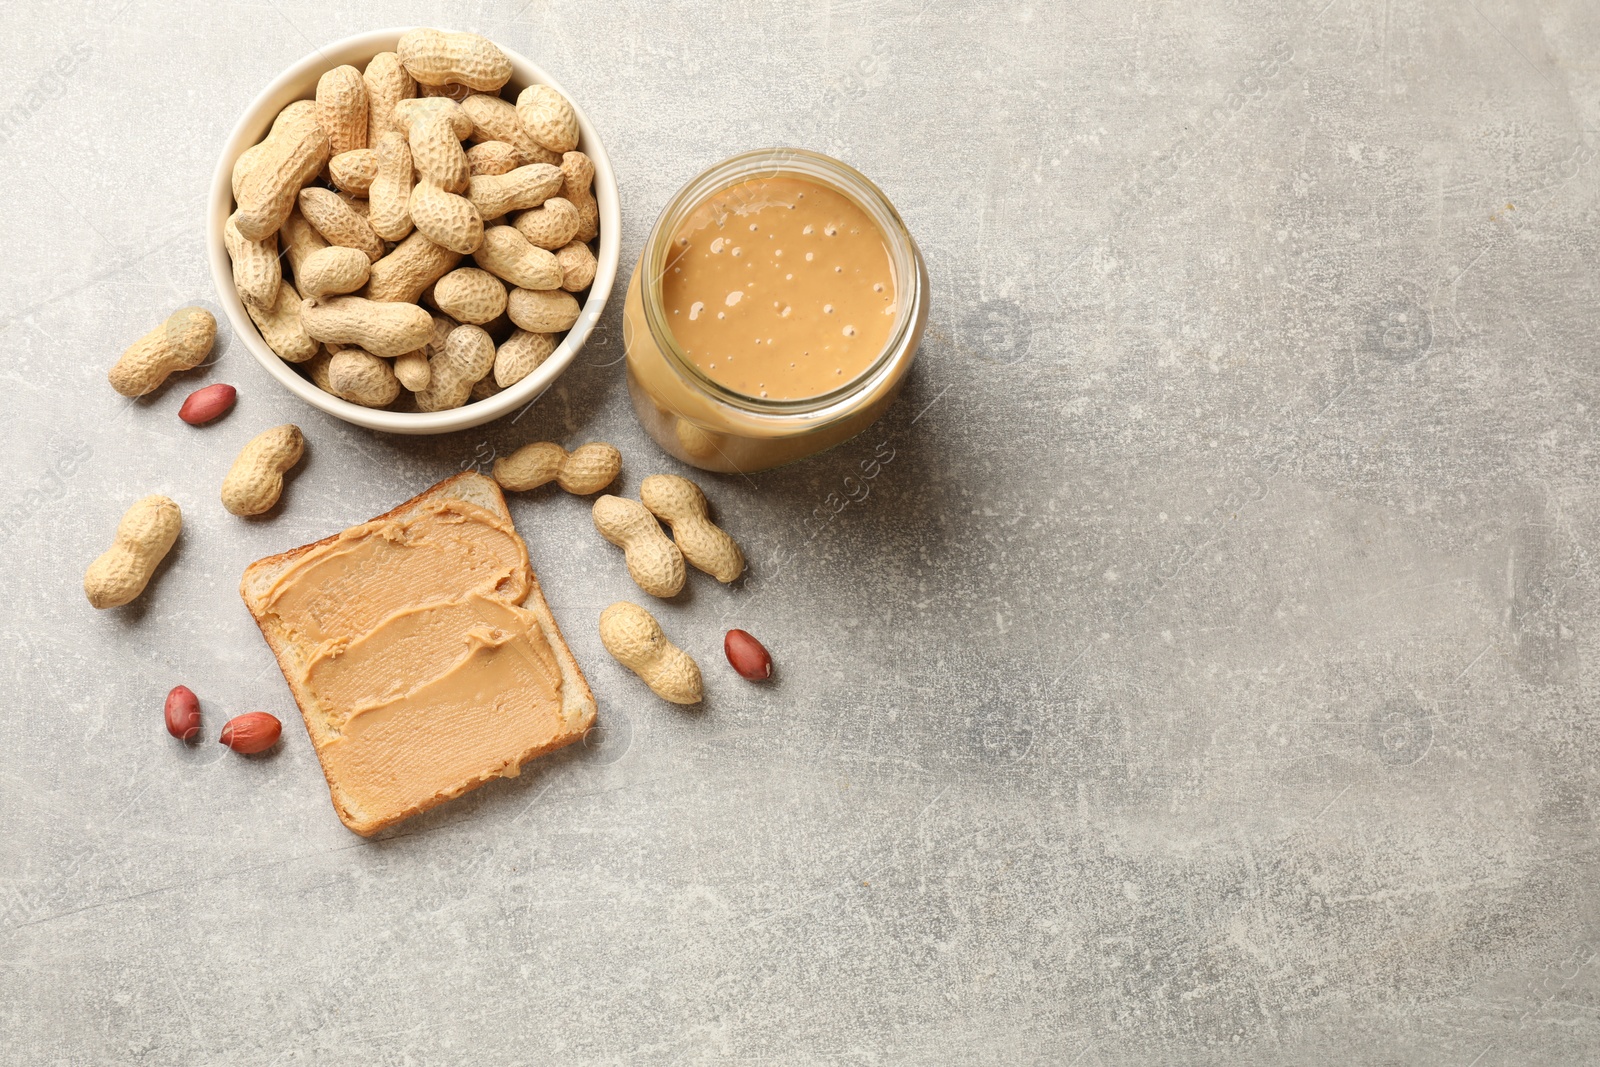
(710, 426)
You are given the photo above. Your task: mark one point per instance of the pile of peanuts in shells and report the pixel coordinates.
(422, 274)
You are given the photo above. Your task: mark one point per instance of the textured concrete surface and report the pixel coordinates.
(1195, 667)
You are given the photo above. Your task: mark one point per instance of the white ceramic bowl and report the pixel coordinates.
(299, 82)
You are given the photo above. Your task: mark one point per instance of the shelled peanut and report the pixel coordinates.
(182, 342)
(376, 169)
(655, 561)
(634, 637)
(583, 471)
(682, 505)
(144, 536)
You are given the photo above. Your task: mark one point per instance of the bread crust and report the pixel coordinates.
(578, 701)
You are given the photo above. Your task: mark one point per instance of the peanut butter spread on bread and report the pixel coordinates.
(427, 675)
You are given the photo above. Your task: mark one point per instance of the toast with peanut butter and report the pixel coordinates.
(421, 652)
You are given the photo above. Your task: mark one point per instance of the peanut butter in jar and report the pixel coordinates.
(776, 309)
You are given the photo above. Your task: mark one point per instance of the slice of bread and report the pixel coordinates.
(578, 704)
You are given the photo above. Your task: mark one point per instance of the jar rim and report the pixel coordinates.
(812, 166)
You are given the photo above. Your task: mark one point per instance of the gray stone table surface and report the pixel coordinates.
(1205, 676)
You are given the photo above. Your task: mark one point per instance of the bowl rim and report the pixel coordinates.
(298, 82)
